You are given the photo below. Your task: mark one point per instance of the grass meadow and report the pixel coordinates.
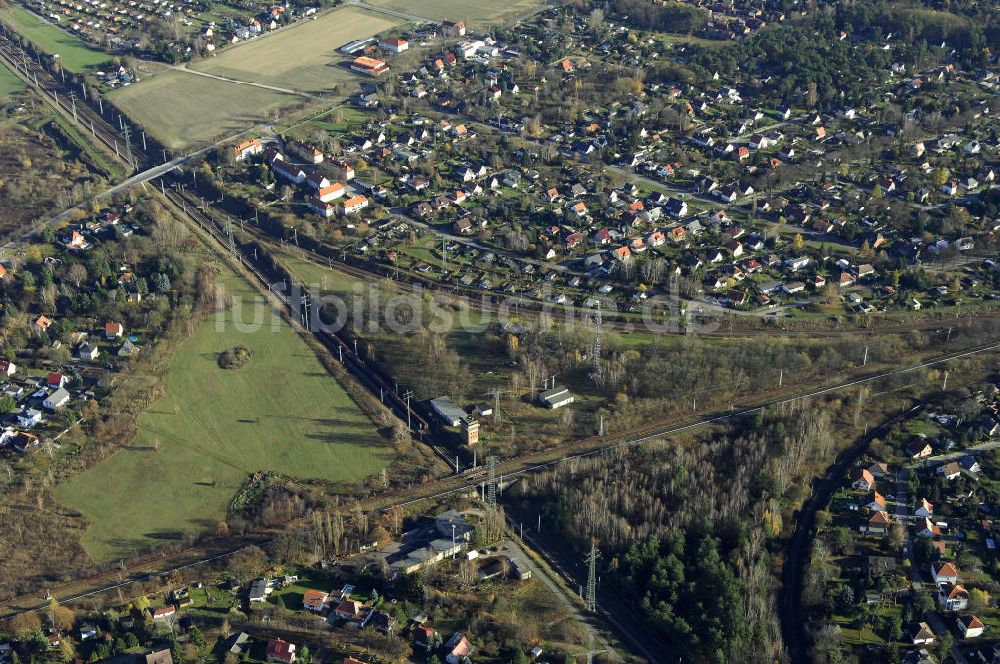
(182, 110)
(477, 14)
(214, 426)
(9, 83)
(74, 54)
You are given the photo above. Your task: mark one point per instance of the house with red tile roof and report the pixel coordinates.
(315, 600)
(279, 650)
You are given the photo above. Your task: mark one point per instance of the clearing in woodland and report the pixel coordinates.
(280, 411)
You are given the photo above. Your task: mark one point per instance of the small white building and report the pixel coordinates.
(557, 397)
(56, 400)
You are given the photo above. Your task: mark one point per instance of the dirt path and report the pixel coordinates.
(184, 68)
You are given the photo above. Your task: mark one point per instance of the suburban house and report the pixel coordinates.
(878, 524)
(875, 502)
(949, 471)
(928, 529)
(161, 656)
(393, 44)
(353, 204)
(259, 591)
(919, 449)
(944, 573)
(87, 351)
(280, 651)
(7, 368)
(315, 601)
(113, 330)
(28, 418)
(953, 597)
(56, 400)
(163, 612)
(924, 508)
(921, 634)
(453, 29)
(422, 635)
(863, 480)
(969, 464)
(970, 627)
(350, 609)
(248, 149)
(41, 324)
(456, 648)
(57, 379)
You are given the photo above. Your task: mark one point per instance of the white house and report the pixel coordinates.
(394, 45)
(87, 351)
(944, 573)
(970, 627)
(28, 418)
(56, 400)
(289, 171)
(953, 597)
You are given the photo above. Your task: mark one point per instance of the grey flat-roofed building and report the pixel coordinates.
(557, 397)
(448, 410)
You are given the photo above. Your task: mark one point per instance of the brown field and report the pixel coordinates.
(303, 57)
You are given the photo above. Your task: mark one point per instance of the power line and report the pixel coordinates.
(491, 482)
(591, 596)
(596, 352)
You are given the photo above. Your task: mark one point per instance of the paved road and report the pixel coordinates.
(957, 454)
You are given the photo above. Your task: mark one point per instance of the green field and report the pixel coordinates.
(303, 57)
(477, 14)
(9, 83)
(213, 427)
(182, 109)
(74, 54)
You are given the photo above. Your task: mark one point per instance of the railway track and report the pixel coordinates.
(75, 104)
(470, 479)
(500, 306)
